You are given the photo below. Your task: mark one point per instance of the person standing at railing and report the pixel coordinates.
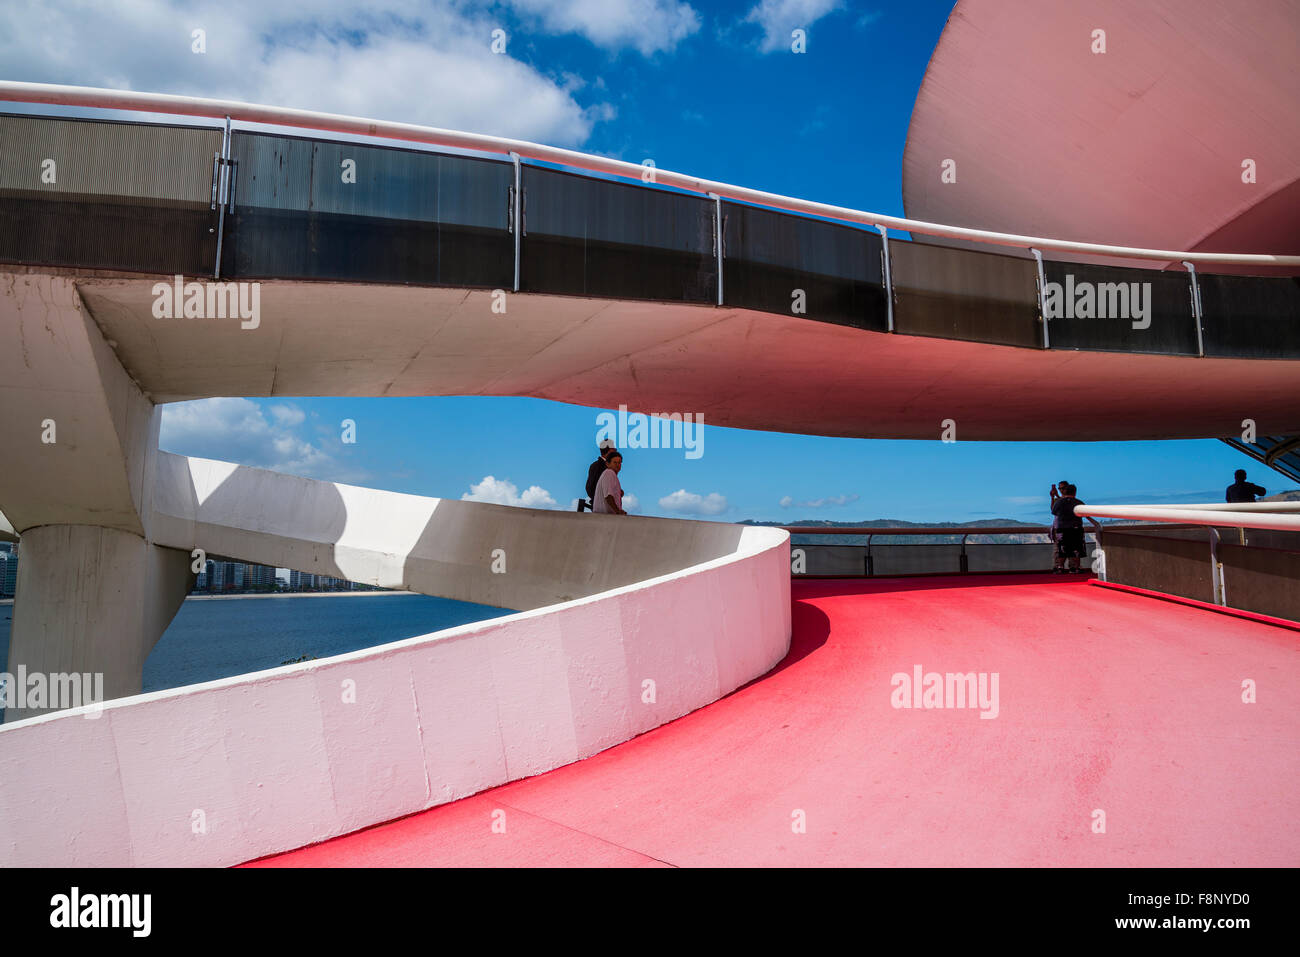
(609, 491)
(1058, 560)
(1070, 544)
(594, 472)
(1241, 490)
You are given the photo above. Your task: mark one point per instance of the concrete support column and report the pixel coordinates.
(81, 440)
(92, 601)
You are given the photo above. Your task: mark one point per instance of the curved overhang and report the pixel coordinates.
(1142, 145)
(736, 367)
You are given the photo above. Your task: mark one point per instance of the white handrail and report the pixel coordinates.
(1188, 516)
(84, 96)
(1239, 506)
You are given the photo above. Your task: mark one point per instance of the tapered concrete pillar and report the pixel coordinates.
(81, 446)
(91, 601)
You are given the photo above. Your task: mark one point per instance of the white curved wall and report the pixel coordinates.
(278, 759)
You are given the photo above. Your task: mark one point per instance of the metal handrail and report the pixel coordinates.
(81, 96)
(1208, 517)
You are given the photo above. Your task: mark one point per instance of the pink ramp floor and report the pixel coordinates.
(1107, 702)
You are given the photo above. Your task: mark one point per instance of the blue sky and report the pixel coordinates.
(711, 89)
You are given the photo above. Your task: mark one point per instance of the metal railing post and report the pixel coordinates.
(515, 206)
(717, 238)
(1196, 307)
(1216, 569)
(889, 279)
(223, 172)
(1042, 295)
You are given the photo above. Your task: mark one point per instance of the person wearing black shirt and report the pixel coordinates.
(1241, 490)
(1070, 543)
(596, 469)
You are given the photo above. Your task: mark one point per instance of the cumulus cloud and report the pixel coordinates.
(830, 500)
(691, 503)
(647, 26)
(417, 62)
(631, 503)
(778, 18)
(504, 492)
(239, 430)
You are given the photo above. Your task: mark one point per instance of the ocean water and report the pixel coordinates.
(210, 639)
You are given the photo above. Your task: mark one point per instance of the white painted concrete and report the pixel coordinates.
(81, 444)
(278, 759)
(92, 600)
(736, 367)
(79, 434)
(439, 547)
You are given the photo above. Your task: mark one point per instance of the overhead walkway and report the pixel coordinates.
(465, 264)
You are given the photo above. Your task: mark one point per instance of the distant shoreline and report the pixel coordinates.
(292, 594)
(297, 594)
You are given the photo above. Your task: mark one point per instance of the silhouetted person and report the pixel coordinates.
(594, 472)
(1241, 490)
(1070, 544)
(609, 491)
(1058, 562)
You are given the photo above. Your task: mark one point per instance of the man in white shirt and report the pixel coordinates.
(609, 491)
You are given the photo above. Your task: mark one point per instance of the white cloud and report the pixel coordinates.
(778, 18)
(504, 492)
(631, 503)
(647, 26)
(830, 500)
(238, 430)
(288, 415)
(690, 503)
(405, 60)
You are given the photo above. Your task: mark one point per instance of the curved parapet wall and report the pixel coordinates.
(231, 770)
(470, 551)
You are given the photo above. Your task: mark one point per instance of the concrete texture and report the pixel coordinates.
(736, 367)
(92, 600)
(490, 554)
(223, 772)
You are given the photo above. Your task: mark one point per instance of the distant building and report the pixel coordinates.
(8, 572)
(226, 576)
(259, 577)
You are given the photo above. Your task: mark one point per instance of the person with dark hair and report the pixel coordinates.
(1241, 490)
(594, 471)
(1058, 561)
(1070, 544)
(608, 498)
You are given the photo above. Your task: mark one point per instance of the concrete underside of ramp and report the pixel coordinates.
(737, 367)
(1108, 702)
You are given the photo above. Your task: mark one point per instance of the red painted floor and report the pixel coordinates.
(1108, 702)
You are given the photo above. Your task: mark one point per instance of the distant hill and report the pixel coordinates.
(1291, 496)
(958, 527)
